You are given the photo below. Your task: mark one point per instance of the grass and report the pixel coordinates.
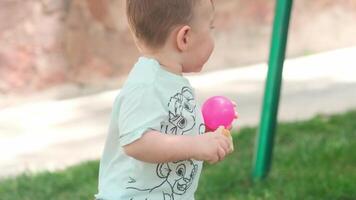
(314, 159)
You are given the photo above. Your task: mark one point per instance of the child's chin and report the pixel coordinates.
(194, 70)
(198, 69)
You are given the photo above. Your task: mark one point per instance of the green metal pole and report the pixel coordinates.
(264, 146)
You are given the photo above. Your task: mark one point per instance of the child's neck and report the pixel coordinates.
(167, 61)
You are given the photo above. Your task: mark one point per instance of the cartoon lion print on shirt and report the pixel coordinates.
(181, 113)
(176, 178)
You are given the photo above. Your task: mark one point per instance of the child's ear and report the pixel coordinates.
(183, 38)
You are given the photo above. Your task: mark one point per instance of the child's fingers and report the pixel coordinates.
(214, 160)
(235, 105)
(229, 141)
(222, 153)
(220, 129)
(236, 115)
(225, 143)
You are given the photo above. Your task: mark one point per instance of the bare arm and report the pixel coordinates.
(156, 147)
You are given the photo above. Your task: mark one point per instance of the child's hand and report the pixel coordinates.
(212, 147)
(236, 116)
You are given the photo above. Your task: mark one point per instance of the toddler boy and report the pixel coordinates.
(157, 140)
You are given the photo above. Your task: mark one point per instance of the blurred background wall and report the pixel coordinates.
(47, 43)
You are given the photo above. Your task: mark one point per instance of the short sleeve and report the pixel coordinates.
(141, 109)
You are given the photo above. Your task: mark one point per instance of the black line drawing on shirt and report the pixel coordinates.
(132, 180)
(181, 113)
(176, 177)
(202, 128)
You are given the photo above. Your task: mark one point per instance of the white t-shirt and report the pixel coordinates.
(151, 99)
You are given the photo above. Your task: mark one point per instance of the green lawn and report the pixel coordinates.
(314, 159)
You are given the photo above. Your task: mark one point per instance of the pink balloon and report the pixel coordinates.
(218, 111)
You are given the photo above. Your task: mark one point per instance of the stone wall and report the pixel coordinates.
(48, 42)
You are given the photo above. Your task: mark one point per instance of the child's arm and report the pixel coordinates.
(156, 147)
